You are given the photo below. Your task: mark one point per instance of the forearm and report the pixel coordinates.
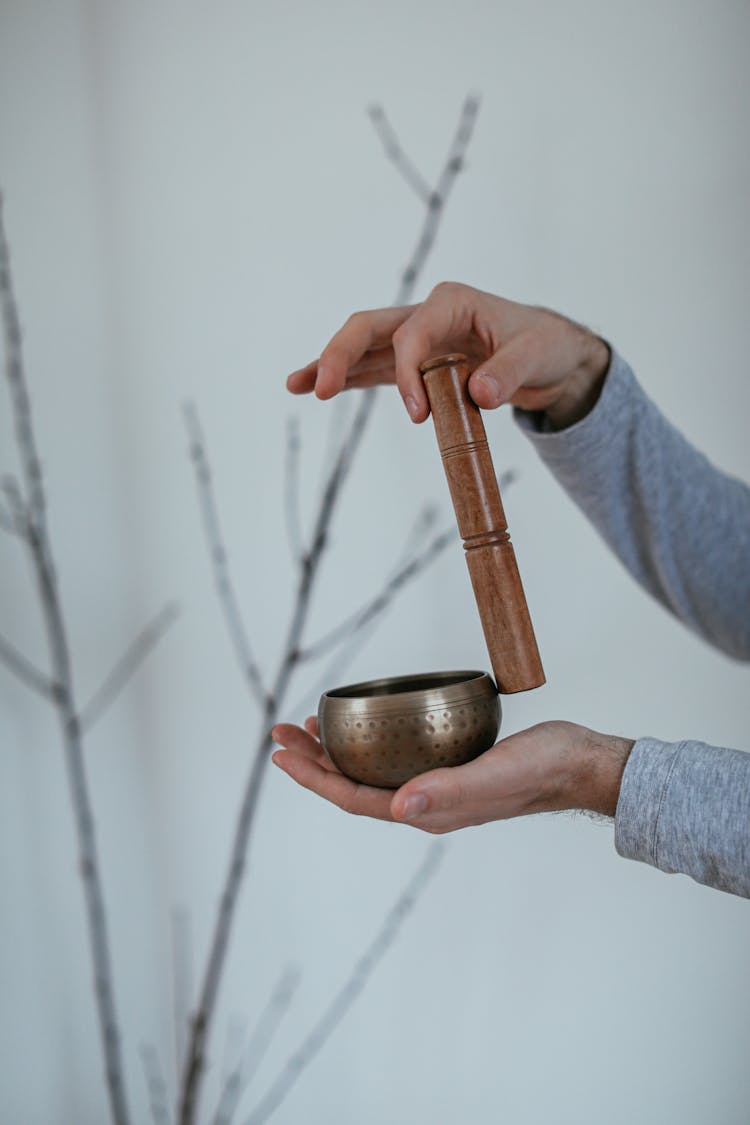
(685, 807)
(680, 526)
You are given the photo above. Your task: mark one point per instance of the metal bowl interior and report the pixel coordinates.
(384, 732)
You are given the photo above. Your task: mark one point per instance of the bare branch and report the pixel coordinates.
(219, 559)
(128, 664)
(30, 463)
(26, 672)
(394, 152)
(291, 488)
(379, 604)
(40, 550)
(17, 515)
(268, 1024)
(424, 522)
(182, 978)
(9, 523)
(156, 1084)
(352, 988)
(201, 1023)
(195, 1059)
(438, 198)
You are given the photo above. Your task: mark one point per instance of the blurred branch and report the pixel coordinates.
(10, 524)
(379, 604)
(438, 199)
(349, 646)
(219, 558)
(25, 671)
(157, 1087)
(40, 550)
(182, 979)
(291, 490)
(15, 520)
(261, 1039)
(353, 986)
(410, 569)
(274, 699)
(202, 1018)
(128, 664)
(394, 152)
(424, 523)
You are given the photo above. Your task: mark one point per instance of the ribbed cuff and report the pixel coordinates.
(643, 790)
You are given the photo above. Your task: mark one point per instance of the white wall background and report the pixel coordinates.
(196, 200)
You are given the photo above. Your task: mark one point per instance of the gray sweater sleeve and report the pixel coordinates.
(682, 529)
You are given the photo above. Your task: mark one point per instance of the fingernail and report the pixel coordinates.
(415, 806)
(412, 406)
(492, 385)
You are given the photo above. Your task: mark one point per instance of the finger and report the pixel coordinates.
(311, 725)
(512, 366)
(428, 794)
(362, 331)
(302, 381)
(445, 799)
(368, 373)
(443, 317)
(360, 800)
(301, 742)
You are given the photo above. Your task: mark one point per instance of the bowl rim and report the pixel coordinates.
(451, 688)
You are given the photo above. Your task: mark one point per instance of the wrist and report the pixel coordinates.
(604, 757)
(580, 391)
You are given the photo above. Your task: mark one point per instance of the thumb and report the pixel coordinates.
(495, 381)
(434, 792)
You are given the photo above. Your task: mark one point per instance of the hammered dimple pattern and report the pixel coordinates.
(387, 750)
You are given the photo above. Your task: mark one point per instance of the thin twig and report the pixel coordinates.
(26, 672)
(158, 1097)
(234, 1042)
(202, 1018)
(17, 517)
(195, 1060)
(339, 416)
(379, 604)
(219, 559)
(182, 979)
(8, 523)
(394, 152)
(128, 664)
(422, 525)
(40, 549)
(352, 988)
(31, 466)
(291, 490)
(438, 198)
(268, 1024)
(350, 646)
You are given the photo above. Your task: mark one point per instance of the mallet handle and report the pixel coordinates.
(491, 559)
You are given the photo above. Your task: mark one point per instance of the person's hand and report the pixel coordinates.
(550, 767)
(530, 357)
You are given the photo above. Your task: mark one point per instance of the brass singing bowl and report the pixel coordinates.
(384, 732)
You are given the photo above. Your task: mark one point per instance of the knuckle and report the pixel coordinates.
(402, 338)
(447, 289)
